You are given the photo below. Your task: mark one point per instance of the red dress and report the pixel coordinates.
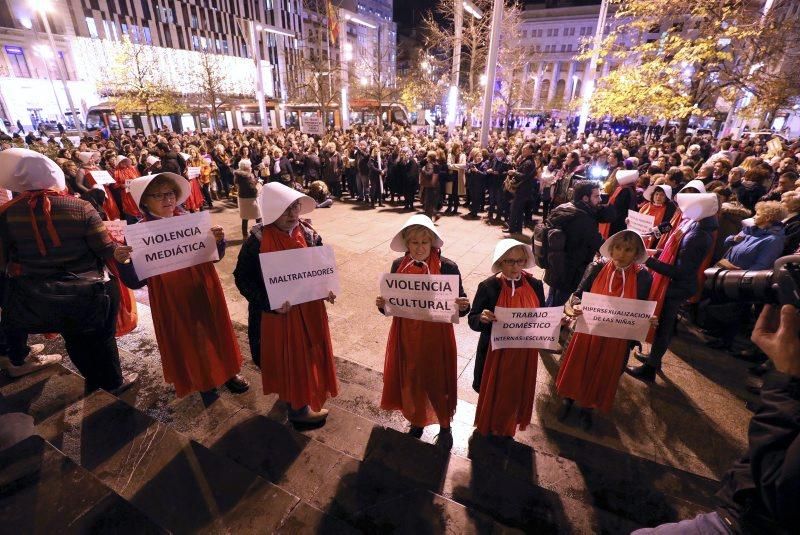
(296, 350)
(198, 346)
(122, 175)
(419, 375)
(195, 200)
(657, 211)
(508, 385)
(109, 205)
(592, 365)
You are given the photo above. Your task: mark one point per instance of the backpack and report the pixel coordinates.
(547, 241)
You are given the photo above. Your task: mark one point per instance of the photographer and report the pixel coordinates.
(761, 491)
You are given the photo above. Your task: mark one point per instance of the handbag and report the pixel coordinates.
(63, 303)
(510, 185)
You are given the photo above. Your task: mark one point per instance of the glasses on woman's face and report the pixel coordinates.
(514, 262)
(163, 195)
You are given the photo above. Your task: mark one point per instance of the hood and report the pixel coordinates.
(503, 247)
(26, 170)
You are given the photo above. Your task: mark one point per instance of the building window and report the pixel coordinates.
(569, 48)
(146, 33)
(165, 15)
(16, 57)
(563, 48)
(524, 34)
(195, 42)
(92, 27)
(555, 32)
(193, 21)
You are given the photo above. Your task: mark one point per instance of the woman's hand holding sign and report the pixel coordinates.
(331, 297)
(380, 302)
(218, 232)
(284, 309)
(463, 303)
(122, 253)
(487, 316)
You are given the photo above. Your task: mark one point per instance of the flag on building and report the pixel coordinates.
(333, 23)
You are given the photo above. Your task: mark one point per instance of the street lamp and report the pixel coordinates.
(588, 87)
(452, 98)
(491, 69)
(41, 7)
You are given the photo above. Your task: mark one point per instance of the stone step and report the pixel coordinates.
(393, 467)
(177, 482)
(41, 393)
(43, 491)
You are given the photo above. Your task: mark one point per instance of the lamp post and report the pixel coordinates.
(588, 87)
(491, 70)
(41, 8)
(459, 6)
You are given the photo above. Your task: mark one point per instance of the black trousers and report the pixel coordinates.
(520, 204)
(206, 189)
(665, 330)
(409, 190)
(476, 186)
(254, 333)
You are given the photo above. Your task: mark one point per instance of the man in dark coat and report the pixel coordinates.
(171, 161)
(579, 221)
(524, 177)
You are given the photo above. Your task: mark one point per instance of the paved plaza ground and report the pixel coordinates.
(657, 456)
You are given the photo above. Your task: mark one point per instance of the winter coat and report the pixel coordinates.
(173, 162)
(331, 167)
(693, 250)
(731, 215)
(246, 182)
(580, 223)
(313, 167)
(748, 193)
(792, 230)
(759, 249)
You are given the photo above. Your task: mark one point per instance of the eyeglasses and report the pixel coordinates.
(514, 262)
(161, 196)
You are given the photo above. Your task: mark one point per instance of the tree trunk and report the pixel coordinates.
(682, 126)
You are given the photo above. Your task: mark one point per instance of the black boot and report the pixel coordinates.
(645, 373)
(563, 412)
(585, 417)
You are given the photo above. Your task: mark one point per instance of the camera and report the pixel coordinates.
(779, 285)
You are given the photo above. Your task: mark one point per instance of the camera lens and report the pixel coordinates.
(740, 285)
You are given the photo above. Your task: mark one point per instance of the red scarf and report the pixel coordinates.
(605, 228)
(661, 282)
(33, 198)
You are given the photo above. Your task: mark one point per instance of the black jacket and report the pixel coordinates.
(792, 230)
(173, 162)
(579, 222)
(761, 493)
(486, 299)
(448, 268)
(313, 167)
(626, 200)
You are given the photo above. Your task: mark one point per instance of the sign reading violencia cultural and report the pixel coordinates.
(421, 297)
(536, 328)
(299, 275)
(615, 317)
(171, 244)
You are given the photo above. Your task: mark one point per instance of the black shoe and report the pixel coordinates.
(563, 411)
(445, 438)
(759, 369)
(749, 355)
(585, 418)
(645, 373)
(415, 431)
(128, 380)
(641, 357)
(237, 384)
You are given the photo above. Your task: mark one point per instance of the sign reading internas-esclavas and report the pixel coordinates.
(299, 275)
(615, 317)
(171, 244)
(536, 328)
(421, 297)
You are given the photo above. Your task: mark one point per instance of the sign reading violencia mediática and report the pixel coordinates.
(421, 297)
(171, 244)
(299, 275)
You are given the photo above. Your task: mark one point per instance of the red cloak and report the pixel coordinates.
(198, 346)
(592, 365)
(109, 205)
(195, 199)
(296, 350)
(122, 175)
(508, 385)
(419, 376)
(657, 212)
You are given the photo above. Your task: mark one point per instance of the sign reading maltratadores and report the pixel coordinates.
(299, 275)
(171, 244)
(615, 317)
(527, 328)
(421, 297)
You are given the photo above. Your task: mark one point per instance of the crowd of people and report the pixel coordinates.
(733, 204)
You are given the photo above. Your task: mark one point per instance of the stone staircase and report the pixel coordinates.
(233, 464)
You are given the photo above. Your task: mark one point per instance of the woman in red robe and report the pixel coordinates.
(419, 376)
(659, 205)
(507, 377)
(198, 346)
(290, 342)
(592, 365)
(125, 171)
(88, 164)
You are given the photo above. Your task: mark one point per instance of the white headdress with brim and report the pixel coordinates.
(696, 184)
(27, 170)
(185, 156)
(648, 193)
(119, 159)
(85, 157)
(399, 244)
(605, 249)
(152, 160)
(503, 246)
(627, 177)
(698, 206)
(139, 185)
(275, 198)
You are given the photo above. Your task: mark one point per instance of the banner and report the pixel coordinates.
(193, 172)
(299, 275)
(615, 317)
(102, 178)
(171, 244)
(640, 223)
(421, 297)
(116, 229)
(312, 124)
(528, 328)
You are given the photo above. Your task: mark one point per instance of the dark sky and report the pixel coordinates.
(407, 13)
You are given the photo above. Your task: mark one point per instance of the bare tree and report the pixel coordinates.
(213, 90)
(374, 71)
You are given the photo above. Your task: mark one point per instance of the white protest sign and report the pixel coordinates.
(299, 275)
(116, 229)
(615, 317)
(128, 184)
(103, 178)
(421, 297)
(312, 124)
(640, 223)
(193, 172)
(171, 244)
(5, 196)
(535, 328)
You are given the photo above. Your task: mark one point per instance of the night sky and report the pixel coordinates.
(407, 13)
